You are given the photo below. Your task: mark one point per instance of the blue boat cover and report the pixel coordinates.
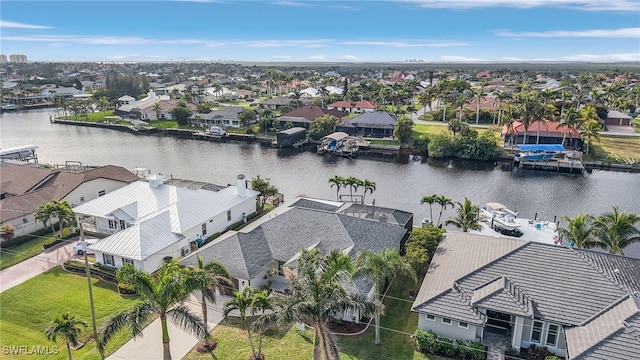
(540, 147)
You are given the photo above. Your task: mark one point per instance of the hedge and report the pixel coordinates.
(19, 240)
(427, 342)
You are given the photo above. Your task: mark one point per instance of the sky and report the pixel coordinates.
(443, 31)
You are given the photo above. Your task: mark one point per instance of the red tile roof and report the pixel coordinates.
(551, 128)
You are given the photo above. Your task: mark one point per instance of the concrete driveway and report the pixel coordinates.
(50, 258)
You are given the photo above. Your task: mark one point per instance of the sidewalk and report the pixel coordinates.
(149, 345)
(25, 270)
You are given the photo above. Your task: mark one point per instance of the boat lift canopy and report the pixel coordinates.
(541, 147)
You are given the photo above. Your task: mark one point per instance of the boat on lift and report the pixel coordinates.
(500, 216)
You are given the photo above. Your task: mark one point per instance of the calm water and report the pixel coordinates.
(399, 185)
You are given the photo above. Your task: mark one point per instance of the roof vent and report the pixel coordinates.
(616, 271)
(155, 180)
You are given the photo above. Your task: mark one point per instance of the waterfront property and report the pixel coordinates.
(305, 115)
(151, 221)
(353, 107)
(542, 132)
(370, 124)
(256, 255)
(580, 304)
(226, 116)
(25, 187)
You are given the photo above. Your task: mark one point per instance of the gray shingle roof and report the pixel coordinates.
(313, 204)
(283, 236)
(373, 119)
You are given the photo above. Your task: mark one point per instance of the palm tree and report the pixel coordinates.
(569, 120)
(157, 107)
(64, 213)
(46, 213)
(338, 182)
(590, 132)
(209, 278)
(616, 230)
(382, 268)
(353, 183)
(578, 230)
(368, 186)
(468, 217)
(162, 294)
(318, 293)
(444, 202)
(249, 299)
(429, 199)
(66, 326)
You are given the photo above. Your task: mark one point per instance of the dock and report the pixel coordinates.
(542, 231)
(555, 165)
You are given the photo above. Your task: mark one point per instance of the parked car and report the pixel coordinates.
(79, 250)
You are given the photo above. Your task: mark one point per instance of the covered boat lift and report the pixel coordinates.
(20, 153)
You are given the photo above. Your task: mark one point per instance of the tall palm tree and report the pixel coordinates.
(338, 182)
(616, 230)
(578, 230)
(64, 214)
(46, 213)
(590, 132)
(209, 278)
(382, 268)
(252, 300)
(353, 183)
(569, 121)
(468, 217)
(67, 327)
(162, 294)
(429, 199)
(318, 293)
(444, 202)
(368, 186)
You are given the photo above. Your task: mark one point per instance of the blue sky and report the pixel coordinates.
(297, 30)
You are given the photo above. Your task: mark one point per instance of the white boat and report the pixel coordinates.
(532, 152)
(500, 216)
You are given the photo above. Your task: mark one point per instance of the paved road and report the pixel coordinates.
(149, 345)
(23, 271)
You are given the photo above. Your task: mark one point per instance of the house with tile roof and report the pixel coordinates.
(542, 132)
(25, 187)
(353, 107)
(370, 124)
(263, 248)
(152, 220)
(305, 115)
(580, 304)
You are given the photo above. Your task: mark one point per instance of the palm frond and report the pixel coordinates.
(188, 321)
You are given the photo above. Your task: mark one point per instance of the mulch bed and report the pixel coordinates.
(346, 327)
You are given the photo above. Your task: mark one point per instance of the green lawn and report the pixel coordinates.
(384, 142)
(28, 308)
(622, 146)
(233, 343)
(396, 326)
(164, 124)
(14, 255)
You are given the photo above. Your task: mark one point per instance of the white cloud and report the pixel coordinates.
(455, 58)
(350, 57)
(282, 57)
(316, 57)
(603, 57)
(595, 33)
(284, 43)
(16, 25)
(292, 3)
(511, 58)
(585, 5)
(403, 43)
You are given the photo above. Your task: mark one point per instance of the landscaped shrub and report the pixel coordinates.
(537, 352)
(427, 342)
(512, 354)
(19, 240)
(553, 357)
(50, 243)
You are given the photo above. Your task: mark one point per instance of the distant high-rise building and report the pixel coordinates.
(3, 58)
(17, 58)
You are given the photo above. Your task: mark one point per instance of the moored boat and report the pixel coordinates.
(500, 216)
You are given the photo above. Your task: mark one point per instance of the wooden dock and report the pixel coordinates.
(559, 166)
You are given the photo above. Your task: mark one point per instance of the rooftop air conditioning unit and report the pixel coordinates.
(184, 251)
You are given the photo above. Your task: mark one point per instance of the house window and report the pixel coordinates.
(81, 198)
(123, 224)
(552, 335)
(204, 229)
(430, 317)
(112, 224)
(536, 332)
(446, 321)
(108, 260)
(101, 192)
(463, 325)
(228, 215)
(127, 261)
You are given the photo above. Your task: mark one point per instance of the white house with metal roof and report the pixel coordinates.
(150, 221)
(580, 304)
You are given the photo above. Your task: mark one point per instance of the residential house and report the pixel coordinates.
(148, 222)
(148, 110)
(305, 115)
(226, 116)
(617, 118)
(255, 256)
(353, 107)
(64, 92)
(579, 304)
(25, 187)
(276, 103)
(542, 132)
(126, 100)
(370, 124)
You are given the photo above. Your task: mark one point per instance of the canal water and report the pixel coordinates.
(401, 183)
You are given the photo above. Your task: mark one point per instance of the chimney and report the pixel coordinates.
(242, 186)
(155, 180)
